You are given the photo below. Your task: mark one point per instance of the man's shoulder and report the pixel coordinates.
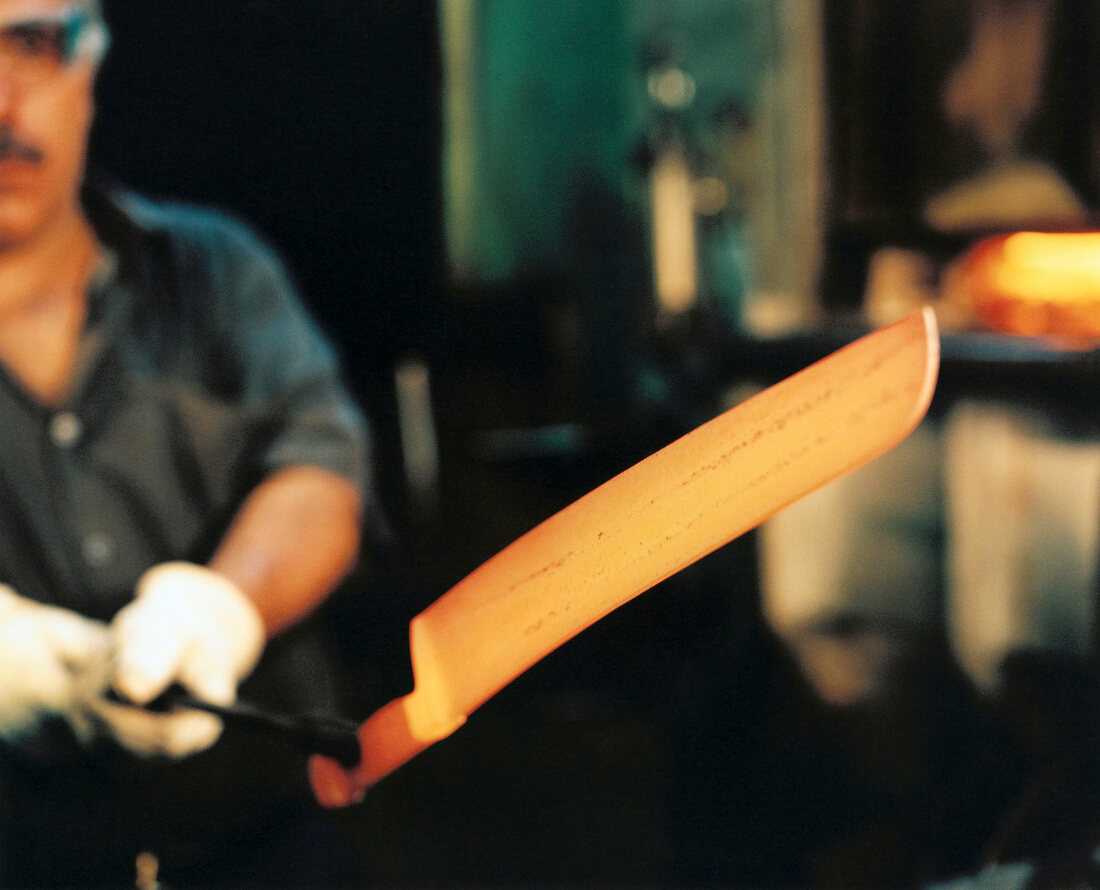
(120, 214)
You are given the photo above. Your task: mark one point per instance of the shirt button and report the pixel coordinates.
(65, 429)
(98, 550)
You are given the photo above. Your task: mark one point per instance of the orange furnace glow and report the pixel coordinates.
(1037, 284)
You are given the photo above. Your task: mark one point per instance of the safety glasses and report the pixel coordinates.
(33, 51)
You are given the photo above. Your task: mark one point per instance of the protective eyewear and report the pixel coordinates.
(35, 50)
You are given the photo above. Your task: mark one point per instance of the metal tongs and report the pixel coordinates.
(331, 736)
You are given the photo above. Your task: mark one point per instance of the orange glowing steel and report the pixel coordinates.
(1037, 283)
(637, 529)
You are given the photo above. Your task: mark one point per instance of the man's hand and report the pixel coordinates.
(189, 625)
(52, 661)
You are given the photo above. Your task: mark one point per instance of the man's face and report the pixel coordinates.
(45, 114)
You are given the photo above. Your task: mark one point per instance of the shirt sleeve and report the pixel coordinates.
(286, 369)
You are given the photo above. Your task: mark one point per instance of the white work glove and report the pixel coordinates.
(187, 625)
(52, 661)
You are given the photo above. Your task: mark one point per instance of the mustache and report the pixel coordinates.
(14, 148)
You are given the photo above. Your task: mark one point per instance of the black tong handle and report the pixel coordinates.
(332, 736)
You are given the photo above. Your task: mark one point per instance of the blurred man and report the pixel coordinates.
(182, 478)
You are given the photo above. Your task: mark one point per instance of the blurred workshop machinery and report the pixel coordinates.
(651, 208)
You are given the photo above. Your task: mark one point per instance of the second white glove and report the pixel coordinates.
(51, 662)
(189, 625)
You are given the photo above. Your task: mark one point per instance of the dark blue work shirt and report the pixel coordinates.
(199, 373)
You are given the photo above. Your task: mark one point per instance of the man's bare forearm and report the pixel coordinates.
(294, 539)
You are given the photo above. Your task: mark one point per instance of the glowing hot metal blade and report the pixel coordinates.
(639, 528)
